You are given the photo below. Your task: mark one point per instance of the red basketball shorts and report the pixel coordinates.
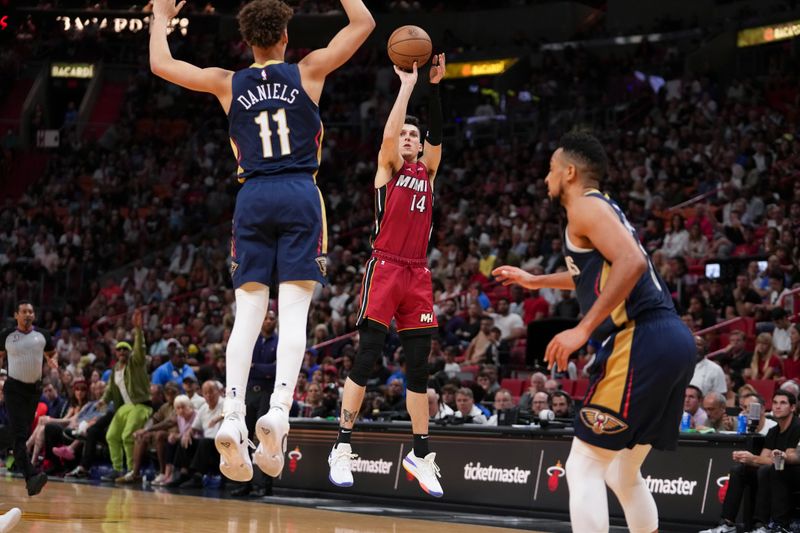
(397, 288)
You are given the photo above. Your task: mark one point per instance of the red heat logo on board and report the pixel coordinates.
(294, 458)
(553, 473)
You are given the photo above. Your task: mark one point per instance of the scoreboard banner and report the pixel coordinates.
(507, 471)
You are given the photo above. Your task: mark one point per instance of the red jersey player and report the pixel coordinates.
(397, 282)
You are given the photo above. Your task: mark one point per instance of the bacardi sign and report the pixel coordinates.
(133, 24)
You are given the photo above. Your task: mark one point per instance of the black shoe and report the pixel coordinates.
(36, 483)
(242, 491)
(194, 482)
(181, 479)
(112, 476)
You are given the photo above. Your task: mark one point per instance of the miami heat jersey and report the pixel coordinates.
(275, 127)
(590, 271)
(403, 213)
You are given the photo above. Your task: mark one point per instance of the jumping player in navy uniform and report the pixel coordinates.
(635, 398)
(397, 283)
(279, 229)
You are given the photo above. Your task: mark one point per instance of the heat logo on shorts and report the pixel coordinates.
(602, 423)
(426, 318)
(553, 474)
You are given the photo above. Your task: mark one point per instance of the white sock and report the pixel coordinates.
(294, 298)
(586, 469)
(252, 300)
(624, 477)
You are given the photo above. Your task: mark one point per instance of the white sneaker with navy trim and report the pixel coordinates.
(426, 471)
(272, 431)
(232, 443)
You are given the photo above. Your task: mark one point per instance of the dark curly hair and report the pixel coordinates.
(262, 22)
(588, 150)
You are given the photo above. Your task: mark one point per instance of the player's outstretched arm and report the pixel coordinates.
(216, 81)
(509, 275)
(433, 141)
(389, 158)
(319, 63)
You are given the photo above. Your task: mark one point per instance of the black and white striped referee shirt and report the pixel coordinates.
(26, 352)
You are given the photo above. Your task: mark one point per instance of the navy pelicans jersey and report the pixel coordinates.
(275, 127)
(404, 213)
(590, 271)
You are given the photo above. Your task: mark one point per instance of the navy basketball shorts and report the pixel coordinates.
(638, 384)
(397, 288)
(279, 231)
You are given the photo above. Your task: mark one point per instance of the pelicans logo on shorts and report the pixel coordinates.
(322, 263)
(602, 423)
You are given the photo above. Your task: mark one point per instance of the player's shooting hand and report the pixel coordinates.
(407, 78)
(508, 275)
(167, 8)
(437, 68)
(563, 345)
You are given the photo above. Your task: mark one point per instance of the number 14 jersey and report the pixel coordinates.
(403, 213)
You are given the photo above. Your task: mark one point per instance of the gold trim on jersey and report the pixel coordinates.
(620, 314)
(239, 169)
(324, 223)
(610, 389)
(319, 149)
(266, 64)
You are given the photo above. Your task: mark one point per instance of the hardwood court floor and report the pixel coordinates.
(72, 507)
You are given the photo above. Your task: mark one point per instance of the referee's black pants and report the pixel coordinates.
(21, 401)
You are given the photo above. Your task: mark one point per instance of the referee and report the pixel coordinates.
(25, 346)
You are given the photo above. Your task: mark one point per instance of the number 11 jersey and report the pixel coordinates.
(403, 213)
(275, 129)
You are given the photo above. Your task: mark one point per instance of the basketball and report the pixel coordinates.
(408, 44)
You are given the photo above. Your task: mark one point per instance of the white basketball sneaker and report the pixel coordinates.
(232, 442)
(426, 471)
(10, 519)
(272, 431)
(339, 460)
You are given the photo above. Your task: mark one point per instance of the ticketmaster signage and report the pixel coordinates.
(504, 471)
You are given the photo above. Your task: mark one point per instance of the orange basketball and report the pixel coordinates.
(408, 44)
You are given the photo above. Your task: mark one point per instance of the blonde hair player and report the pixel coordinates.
(647, 358)
(279, 219)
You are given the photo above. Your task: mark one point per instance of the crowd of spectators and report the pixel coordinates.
(138, 219)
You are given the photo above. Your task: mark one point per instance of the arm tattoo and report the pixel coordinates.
(349, 416)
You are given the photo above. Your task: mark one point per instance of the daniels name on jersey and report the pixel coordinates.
(268, 91)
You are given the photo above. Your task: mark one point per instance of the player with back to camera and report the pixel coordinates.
(397, 282)
(279, 229)
(635, 397)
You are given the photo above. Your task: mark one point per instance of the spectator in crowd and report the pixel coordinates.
(735, 359)
(205, 460)
(745, 298)
(313, 404)
(78, 427)
(791, 365)
(154, 435)
(57, 405)
(451, 368)
(783, 484)
(449, 396)
(510, 324)
(676, 241)
(717, 420)
(175, 369)
(764, 424)
(467, 409)
(562, 404)
(765, 364)
(394, 401)
(535, 306)
(752, 471)
(129, 389)
(708, 375)
(540, 402)
(536, 384)
(437, 409)
(182, 443)
(503, 402)
(781, 334)
(488, 388)
(480, 344)
(692, 404)
(551, 386)
(190, 389)
(38, 443)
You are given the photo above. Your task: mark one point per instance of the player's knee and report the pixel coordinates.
(417, 348)
(371, 340)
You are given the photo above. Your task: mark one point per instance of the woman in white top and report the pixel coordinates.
(677, 240)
